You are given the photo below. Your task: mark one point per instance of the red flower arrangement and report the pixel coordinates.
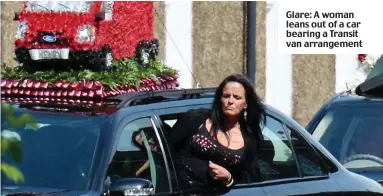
(84, 89)
(131, 22)
(81, 92)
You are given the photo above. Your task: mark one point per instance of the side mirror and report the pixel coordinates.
(99, 16)
(17, 16)
(131, 186)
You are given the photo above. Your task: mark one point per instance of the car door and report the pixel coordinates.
(140, 153)
(166, 119)
(294, 167)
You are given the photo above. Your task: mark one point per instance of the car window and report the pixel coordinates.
(353, 134)
(309, 161)
(139, 155)
(277, 160)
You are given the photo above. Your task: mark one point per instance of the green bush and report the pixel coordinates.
(11, 141)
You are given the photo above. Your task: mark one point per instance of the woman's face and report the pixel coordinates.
(233, 99)
(139, 139)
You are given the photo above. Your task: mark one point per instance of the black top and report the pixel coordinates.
(195, 147)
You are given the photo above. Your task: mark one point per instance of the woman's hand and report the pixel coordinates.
(218, 172)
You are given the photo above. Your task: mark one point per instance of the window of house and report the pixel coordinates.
(139, 155)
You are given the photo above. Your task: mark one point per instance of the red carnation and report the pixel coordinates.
(362, 57)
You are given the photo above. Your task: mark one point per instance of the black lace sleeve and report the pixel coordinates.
(189, 123)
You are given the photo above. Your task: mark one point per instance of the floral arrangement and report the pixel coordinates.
(127, 29)
(366, 64)
(368, 61)
(129, 76)
(129, 22)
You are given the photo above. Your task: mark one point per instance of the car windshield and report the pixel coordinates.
(353, 134)
(58, 6)
(58, 154)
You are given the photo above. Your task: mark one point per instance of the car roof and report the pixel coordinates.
(369, 92)
(133, 102)
(352, 98)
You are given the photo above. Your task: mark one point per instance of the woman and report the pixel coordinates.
(138, 141)
(217, 148)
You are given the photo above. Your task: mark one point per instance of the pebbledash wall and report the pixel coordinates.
(208, 39)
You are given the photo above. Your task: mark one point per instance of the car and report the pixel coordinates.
(123, 148)
(350, 126)
(88, 33)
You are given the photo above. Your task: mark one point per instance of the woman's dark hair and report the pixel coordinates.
(135, 142)
(255, 109)
(150, 137)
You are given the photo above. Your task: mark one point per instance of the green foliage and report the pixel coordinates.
(128, 71)
(13, 146)
(12, 172)
(24, 119)
(11, 141)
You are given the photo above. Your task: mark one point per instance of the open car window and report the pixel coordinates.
(139, 155)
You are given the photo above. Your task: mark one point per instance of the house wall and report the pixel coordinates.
(8, 30)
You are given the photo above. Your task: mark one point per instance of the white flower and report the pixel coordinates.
(360, 73)
(370, 61)
(358, 76)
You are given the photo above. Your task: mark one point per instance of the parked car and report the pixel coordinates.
(105, 150)
(350, 126)
(88, 33)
